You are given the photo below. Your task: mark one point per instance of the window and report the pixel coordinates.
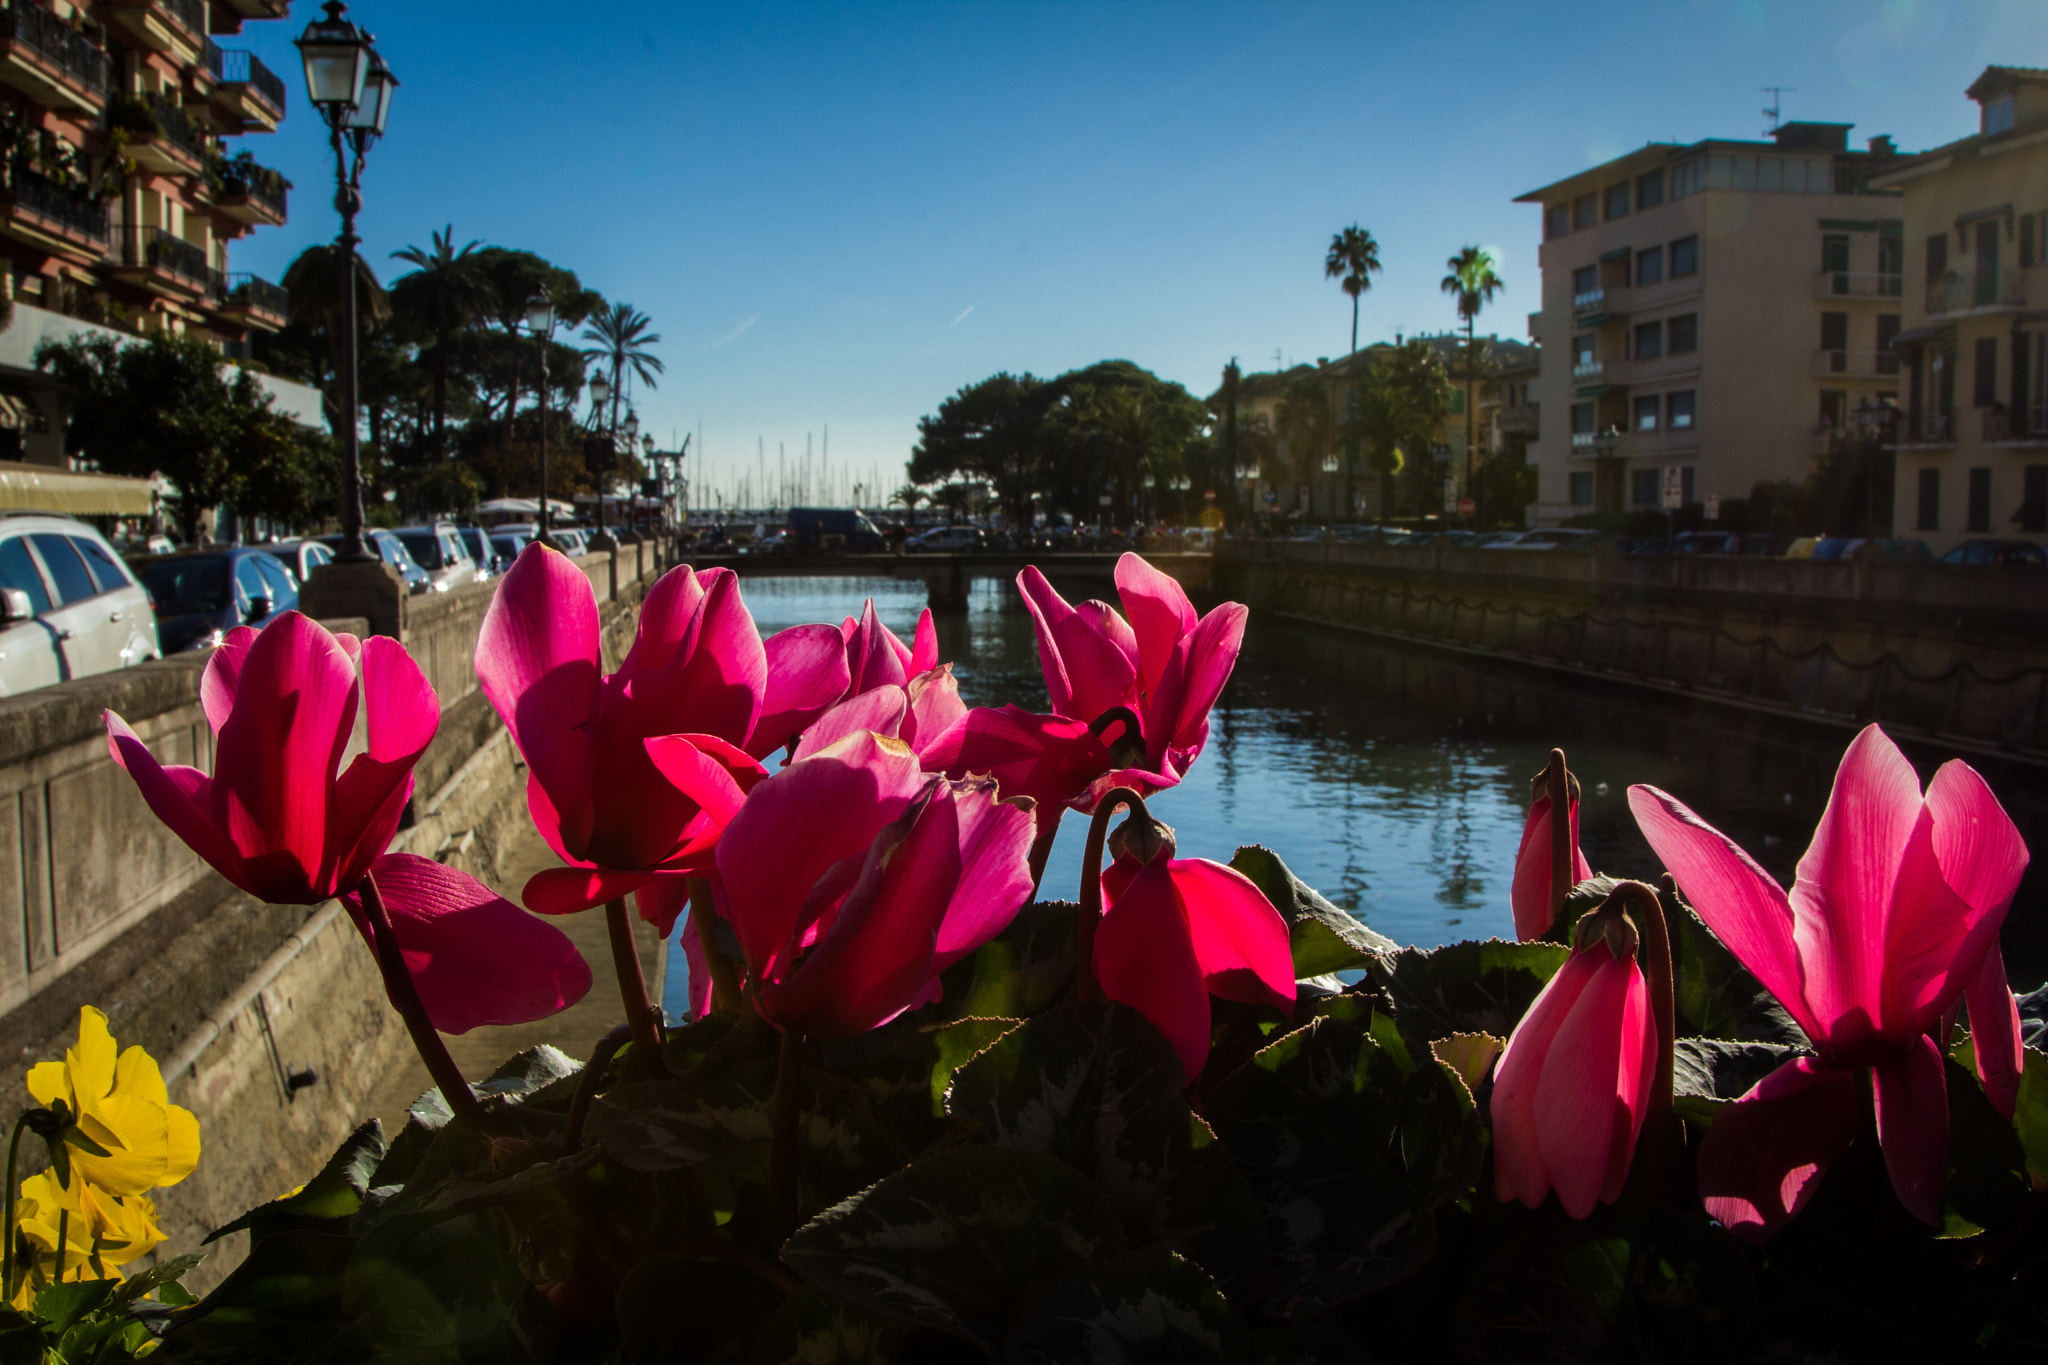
(1937, 257)
(1688, 177)
(1650, 190)
(1582, 350)
(1929, 515)
(1585, 209)
(249, 585)
(1585, 280)
(1678, 409)
(2027, 238)
(1891, 265)
(1650, 265)
(18, 570)
(1646, 412)
(1582, 419)
(1998, 115)
(1887, 332)
(1834, 338)
(1685, 257)
(1649, 340)
(283, 596)
(1834, 408)
(99, 560)
(1557, 220)
(1643, 486)
(1685, 486)
(1980, 499)
(1984, 373)
(1834, 253)
(1683, 333)
(1617, 200)
(1582, 488)
(67, 570)
(2033, 513)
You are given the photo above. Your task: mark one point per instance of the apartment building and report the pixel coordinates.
(120, 190)
(1720, 307)
(1976, 333)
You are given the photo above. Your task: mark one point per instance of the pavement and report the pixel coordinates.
(575, 1030)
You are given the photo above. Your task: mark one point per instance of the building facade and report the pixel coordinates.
(1972, 438)
(120, 190)
(1716, 307)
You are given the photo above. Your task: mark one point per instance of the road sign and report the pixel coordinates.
(1271, 497)
(1103, 500)
(1450, 495)
(1713, 507)
(1467, 507)
(1674, 488)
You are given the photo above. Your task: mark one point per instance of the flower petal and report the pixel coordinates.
(699, 987)
(1587, 1107)
(1911, 1097)
(935, 707)
(223, 673)
(178, 795)
(872, 658)
(569, 890)
(402, 715)
(1101, 658)
(1144, 958)
(994, 859)
(1177, 711)
(1995, 1033)
(1843, 893)
(475, 957)
(1529, 892)
(924, 651)
(1747, 911)
(1159, 611)
(1520, 1170)
(881, 711)
(1763, 1158)
(1240, 940)
(537, 658)
(807, 673)
(1048, 609)
(661, 903)
(1050, 759)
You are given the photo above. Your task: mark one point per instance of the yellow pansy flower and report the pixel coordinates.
(119, 1101)
(94, 1231)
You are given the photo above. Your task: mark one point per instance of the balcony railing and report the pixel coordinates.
(190, 14)
(237, 181)
(259, 296)
(1519, 416)
(1589, 303)
(1854, 364)
(57, 43)
(1959, 293)
(70, 213)
(1931, 428)
(176, 127)
(167, 253)
(1847, 284)
(246, 68)
(1588, 372)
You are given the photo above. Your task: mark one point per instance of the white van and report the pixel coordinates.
(69, 607)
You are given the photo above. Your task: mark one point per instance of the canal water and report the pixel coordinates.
(1395, 780)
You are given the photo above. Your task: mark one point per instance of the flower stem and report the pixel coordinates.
(1660, 1151)
(725, 982)
(1091, 889)
(405, 997)
(789, 1078)
(7, 1253)
(633, 989)
(587, 1083)
(1557, 783)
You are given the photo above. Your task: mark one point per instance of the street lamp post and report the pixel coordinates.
(540, 320)
(351, 87)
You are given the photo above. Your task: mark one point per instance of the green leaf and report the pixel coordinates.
(447, 1289)
(1350, 1146)
(1471, 987)
(536, 1076)
(61, 1306)
(337, 1192)
(1714, 994)
(1324, 937)
(1587, 895)
(1469, 1056)
(716, 1319)
(955, 1045)
(1987, 1175)
(1016, 974)
(2030, 1115)
(162, 1274)
(812, 1327)
(961, 1241)
(1149, 1306)
(1096, 1086)
(1708, 1074)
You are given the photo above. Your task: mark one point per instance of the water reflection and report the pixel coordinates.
(1395, 781)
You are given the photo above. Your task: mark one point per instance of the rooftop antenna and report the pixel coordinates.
(1777, 93)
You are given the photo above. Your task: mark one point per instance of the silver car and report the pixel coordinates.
(439, 550)
(69, 607)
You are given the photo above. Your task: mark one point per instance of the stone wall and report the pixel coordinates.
(101, 905)
(1946, 653)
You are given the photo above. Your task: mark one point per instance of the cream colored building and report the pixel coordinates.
(1716, 307)
(1973, 445)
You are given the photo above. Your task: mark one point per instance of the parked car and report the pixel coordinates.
(568, 539)
(477, 541)
(2000, 553)
(1557, 538)
(809, 526)
(440, 551)
(1889, 550)
(302, 557)
(69, 606)
(392, 551)
(506, 543)
(1499, 540)
(201, 595)
(951, 540)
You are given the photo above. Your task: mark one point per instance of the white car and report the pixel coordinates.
(69, 607)
(952, 540)
(439, 550)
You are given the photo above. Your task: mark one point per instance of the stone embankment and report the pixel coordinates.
(240, 1001)
(1950, 655)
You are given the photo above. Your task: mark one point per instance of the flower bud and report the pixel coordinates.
(1142, 839)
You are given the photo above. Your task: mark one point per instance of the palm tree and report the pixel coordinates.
(1387, 422)
(441, 297)
(315, 280)
(1473, 283)
(622, 337)
(1354, 257)
(908, 497)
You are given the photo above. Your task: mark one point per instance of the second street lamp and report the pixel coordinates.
(540, 320)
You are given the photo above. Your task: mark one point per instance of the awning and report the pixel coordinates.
(1913, 336)
(43, 488)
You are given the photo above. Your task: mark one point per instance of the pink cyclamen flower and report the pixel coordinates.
(851, 880)
(1529, 892)
(283, 821)
(1179, 930)
(1893, 918)
(630, 776)
(1572, 1087)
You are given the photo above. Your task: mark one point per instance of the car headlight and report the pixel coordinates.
(212, 639)
(440, 585)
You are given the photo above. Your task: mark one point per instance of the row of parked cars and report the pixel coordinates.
(71, 605)
(1755, 545)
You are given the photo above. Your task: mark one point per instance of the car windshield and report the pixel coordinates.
(182, 587)
(423, 546)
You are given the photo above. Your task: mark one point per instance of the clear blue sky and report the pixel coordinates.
(838, 215)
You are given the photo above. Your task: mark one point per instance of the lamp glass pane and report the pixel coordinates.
(335, 72)
(600, 390)
(540, 313)
(374, 107)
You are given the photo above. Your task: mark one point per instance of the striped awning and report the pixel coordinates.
(19, 414)
(44, 488)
